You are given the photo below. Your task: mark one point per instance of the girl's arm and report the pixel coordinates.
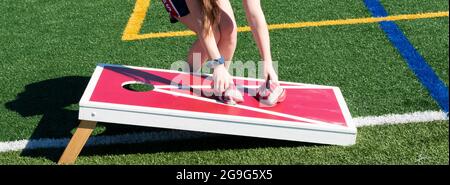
(258, 24)
(222, 79)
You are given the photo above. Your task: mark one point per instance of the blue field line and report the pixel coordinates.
(437, 89)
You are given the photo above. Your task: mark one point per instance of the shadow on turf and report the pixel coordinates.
(56, 101)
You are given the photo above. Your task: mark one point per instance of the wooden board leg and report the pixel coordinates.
(77, 142)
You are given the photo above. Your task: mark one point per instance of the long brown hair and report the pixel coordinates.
(211, 13)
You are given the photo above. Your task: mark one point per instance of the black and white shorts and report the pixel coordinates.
(176, 9)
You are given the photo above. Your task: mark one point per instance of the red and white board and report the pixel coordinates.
(310, 113)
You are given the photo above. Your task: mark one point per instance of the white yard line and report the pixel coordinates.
(133, 138)
(414, 117)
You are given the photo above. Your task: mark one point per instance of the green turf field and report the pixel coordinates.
(49, 50)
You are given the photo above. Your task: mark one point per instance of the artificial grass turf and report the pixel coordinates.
(417, 143)
(275, 11)
(50, 50)
(425, 34)
(333, 56)
(430, 38)
(414, 6)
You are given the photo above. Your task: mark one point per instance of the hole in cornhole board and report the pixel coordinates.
(137, 86)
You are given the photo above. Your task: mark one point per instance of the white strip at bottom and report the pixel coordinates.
(135, 138)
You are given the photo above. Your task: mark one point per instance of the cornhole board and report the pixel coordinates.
(179, 100)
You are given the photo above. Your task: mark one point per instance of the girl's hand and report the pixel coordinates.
(222, 79)
(270, 71)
